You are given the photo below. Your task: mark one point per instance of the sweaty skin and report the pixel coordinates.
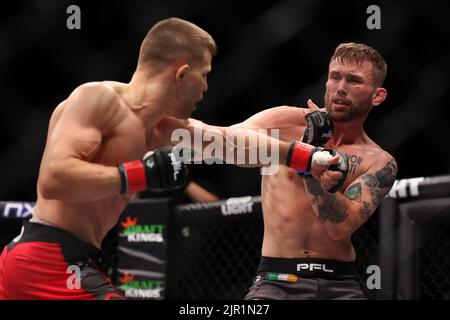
(300, 218)
(292, 227)
(89, 134)
(313, 223)
(101, 125)
(86, 140)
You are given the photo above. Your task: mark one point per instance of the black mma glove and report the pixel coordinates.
(300, 157)
(341, 166)
(162, 170)
(319, 128)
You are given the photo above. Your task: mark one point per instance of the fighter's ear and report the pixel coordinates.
(181, 72)
(378, 97)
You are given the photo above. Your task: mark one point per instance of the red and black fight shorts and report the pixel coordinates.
(46, 262)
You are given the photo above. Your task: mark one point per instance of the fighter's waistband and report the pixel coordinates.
(73, 249)
(281, 268)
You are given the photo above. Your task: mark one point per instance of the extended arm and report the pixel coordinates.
(243, 144)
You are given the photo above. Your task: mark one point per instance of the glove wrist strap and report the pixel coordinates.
(133, 176)
(299, 156)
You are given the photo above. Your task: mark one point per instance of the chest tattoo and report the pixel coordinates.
(353, 162)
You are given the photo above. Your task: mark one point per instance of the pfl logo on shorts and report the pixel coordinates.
(312, 267)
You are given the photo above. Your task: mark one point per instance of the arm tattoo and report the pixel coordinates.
(335, 211)
(365, 211)
(379, 185)
(353, 192)
(328, 206)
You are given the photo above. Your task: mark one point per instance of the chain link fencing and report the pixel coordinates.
(213, 252)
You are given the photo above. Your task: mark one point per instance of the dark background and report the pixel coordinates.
(270, 53)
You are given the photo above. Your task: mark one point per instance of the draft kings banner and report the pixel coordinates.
(142, 249)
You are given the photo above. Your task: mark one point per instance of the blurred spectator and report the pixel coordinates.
(196, 190)
(197, 193)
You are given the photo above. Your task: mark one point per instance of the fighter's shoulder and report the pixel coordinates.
(280, 115)
(380, 158)
(98, 93)
(96, 100)
(285, 110)
(91, 103)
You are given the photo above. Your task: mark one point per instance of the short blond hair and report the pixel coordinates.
(172, 39)
(359, 53)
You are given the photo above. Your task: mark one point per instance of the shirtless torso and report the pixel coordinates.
(292, 228)
(119, 137)
(93, 163)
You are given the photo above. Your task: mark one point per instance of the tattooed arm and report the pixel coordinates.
(342, 214)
